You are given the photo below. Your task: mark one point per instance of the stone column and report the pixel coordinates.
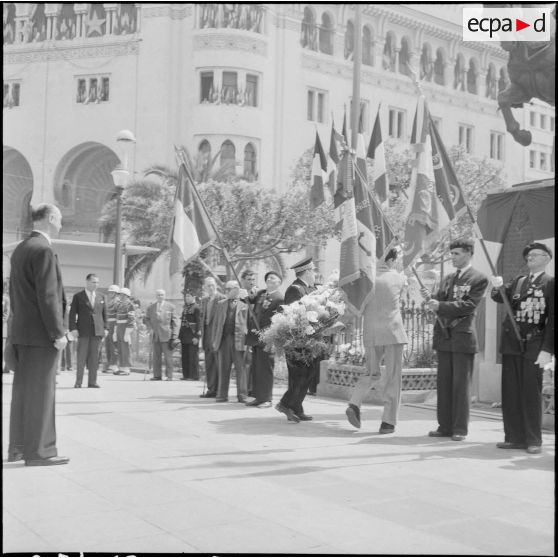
(81, 11)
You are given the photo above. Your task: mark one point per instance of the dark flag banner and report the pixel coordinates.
(319, 174)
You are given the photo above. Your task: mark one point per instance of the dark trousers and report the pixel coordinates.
(228, 355)
(313, 386)
(262, 374)
(521, 400)
(211, 371)
(110, 347)
(190, 361)
(300, 377)
(32, 422)
(453, 384)
(88, 355)
(248, 359)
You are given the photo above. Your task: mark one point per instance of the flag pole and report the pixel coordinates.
(182, 160)
(478, 232)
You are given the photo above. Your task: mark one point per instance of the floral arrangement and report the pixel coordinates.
(349, 353)
(301, 330)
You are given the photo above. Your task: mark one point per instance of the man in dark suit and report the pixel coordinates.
(455, 339)
(266, 304)
(207, 314)
(532, 301)
(88, 322)
(37, 334)
(291, 402)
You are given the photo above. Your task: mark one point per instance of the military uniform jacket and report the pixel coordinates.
(190, 324)
(265, 306)
(454, 331)
(89, 321)
(533, 308)
(297, 289)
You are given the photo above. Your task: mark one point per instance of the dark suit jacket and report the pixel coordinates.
(538, 336)
(265, 306)
(205, 330)
(90, 322)
(297, 289)
(36, 294)
(189, 324)
(458, 304)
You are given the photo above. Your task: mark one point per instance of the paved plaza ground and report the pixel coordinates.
(156, 469)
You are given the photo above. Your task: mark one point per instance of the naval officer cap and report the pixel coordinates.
(114, 289)
(125, 291)
(303, 265)
(536, 246)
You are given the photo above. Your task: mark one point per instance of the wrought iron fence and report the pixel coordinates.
(418, 322)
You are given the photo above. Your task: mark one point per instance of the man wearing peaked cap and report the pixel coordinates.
(291, 402)
(125, 321)
(532, 300)
(110, 345)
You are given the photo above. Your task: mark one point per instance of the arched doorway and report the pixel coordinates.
(17, 189)
(82, 185)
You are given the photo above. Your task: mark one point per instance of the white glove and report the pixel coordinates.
(128, 336)
(74, 334)
(114, 336)
(60, 343)
(496, 281)
(544, 360)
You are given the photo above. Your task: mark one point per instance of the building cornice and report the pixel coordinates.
(231, 39)
(64, 50)
(174, 11)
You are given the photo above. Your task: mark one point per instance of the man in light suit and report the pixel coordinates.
(161, 318)
(207, 315)
(227, 338)
(384, 338)
(88, 322)
(455, 340)
(38, 334)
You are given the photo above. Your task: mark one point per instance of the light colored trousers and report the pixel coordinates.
(388, 384)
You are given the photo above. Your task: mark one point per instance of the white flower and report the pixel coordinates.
(312, 316)
(309, 330)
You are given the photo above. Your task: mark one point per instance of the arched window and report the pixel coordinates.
(308, 30)
(426, 63)
(389, 52)
(349, 41)
(404, 57)
(367, 50)
(250, 172)
(228, 157)
(459, 72)
(491, 82)
(326, 34)
(204, 158)
(503, 79)
(439, 68)
(472, 77)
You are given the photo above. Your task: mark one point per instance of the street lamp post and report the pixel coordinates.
(120, 176)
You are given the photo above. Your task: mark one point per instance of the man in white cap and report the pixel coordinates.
(161, 319)
(125, 322)
(110, 346)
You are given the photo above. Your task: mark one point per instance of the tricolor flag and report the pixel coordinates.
(358, 245)
(319, 175)
(376, 152)
(385, 236)
(191, 230)
(332, 158)
(341, 194)
(435, 196)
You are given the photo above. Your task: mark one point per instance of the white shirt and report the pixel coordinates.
(91, 297)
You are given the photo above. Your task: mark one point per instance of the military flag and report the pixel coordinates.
(376, 152)
(319, 174)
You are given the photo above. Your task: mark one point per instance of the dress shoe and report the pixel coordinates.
(155, 379)
(458, 437)
(302, 416)
(221, 400)
(47, 461)
(438, 434)
(94, 386)
(107, 371)
(242, 400)
(534, 449)
(510, 445)
(386, 428)
(312, 393)
(254, 403)
(289, 412)
(264, 405)
(208, 395)
(77, 386)
(15, 456)
(353, 414)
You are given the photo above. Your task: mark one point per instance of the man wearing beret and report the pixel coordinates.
(455, 340)
(532, 301)
(291, 402)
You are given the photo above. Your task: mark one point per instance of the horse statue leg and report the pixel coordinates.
(513, 96)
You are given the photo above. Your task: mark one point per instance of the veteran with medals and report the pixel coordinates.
(532, 302)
